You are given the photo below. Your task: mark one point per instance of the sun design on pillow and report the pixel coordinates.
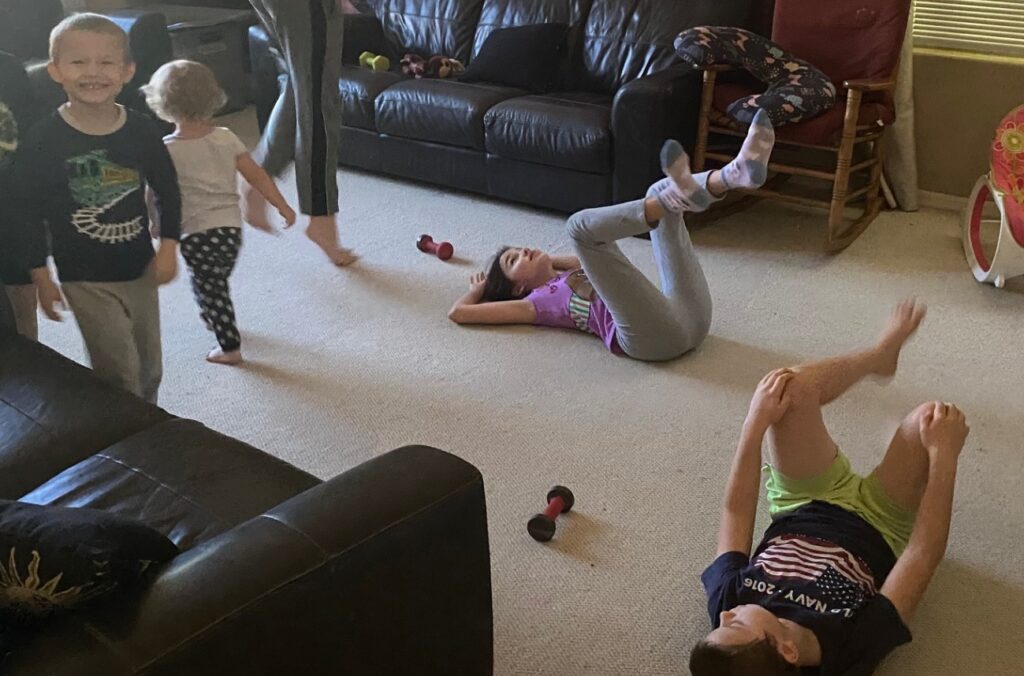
(30, 593)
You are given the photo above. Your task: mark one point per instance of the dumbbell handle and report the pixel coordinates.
(554, 508)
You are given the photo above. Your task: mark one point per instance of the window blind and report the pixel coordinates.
(988, 26)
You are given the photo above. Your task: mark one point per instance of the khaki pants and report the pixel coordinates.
(120, 324)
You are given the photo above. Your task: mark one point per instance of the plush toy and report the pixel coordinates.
(414, 65)
(444, 67)
(796, 89)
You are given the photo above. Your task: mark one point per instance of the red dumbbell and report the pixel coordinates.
(542, 526)
(442, 250)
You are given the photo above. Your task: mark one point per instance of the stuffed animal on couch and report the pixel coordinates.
(441, 67)
(796, 89)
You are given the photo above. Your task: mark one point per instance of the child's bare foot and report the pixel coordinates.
(219, 356)
(323, 231)
(255, 209)
(903, 323)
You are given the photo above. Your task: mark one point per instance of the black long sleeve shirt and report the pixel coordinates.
(89, 192)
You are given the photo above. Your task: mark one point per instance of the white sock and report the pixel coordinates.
(679, 191)
(749, 169)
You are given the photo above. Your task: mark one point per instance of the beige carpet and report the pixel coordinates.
(344, 365)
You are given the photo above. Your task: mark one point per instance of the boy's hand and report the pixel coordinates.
(50, 298)
(165, 265)
(770, 401)
(943, 431)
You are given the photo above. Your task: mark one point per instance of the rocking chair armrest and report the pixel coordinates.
(865, 86)
(716, 67)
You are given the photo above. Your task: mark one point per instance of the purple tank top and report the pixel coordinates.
(556, 304)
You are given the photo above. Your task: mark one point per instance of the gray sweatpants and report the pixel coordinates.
(305, 125)
(120, 324)
(651, 324)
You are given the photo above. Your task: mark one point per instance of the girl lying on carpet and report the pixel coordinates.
(599, 291)
(846, 559)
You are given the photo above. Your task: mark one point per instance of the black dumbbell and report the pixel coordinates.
(542, 526)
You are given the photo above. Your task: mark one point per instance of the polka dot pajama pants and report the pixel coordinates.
(211, 257)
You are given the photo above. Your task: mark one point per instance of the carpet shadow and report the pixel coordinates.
(747, 364)
(577, 535)
(461, 262)
(973, 620)
(402, 286)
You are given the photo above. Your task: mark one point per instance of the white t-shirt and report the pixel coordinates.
(207, 174)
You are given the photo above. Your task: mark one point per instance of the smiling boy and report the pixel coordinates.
(82, 177)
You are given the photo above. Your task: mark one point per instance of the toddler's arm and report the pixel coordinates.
(261, 181)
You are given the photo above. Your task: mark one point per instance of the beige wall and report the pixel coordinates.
(958, 100)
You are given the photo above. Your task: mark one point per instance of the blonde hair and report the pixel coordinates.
(184, 90)
(87, 22)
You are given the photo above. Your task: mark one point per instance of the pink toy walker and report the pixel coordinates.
(1003, 186)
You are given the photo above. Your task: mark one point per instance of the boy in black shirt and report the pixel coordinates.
(82, 172)
(846, 559)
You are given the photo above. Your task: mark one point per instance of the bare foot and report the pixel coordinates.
(255, 210)
(903, 323)
(323, 231)
(219, 356)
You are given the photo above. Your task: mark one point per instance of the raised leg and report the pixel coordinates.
(800, 444)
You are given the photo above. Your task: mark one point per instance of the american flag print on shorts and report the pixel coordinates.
(839, 575)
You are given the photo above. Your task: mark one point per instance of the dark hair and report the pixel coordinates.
(497, 285)
(759, 658)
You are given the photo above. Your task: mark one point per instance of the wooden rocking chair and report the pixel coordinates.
(857, 44)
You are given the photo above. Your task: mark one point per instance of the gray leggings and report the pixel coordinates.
(305, 125)
(651, 324)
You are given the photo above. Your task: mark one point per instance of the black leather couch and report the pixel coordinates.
(594, 140)
(383, 569)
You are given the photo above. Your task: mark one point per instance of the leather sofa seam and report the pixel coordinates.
(135, 470)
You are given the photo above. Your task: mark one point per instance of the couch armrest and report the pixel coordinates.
(382, 570)
(645, 112)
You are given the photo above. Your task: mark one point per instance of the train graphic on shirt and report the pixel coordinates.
(102, 189)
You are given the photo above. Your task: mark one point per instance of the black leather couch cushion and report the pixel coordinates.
(359, 89)
(526, 57)
(46, 425)
(179, 477)
(429, 27)
(441, 111)
(627, 39)
(505, 13)
(570, 130)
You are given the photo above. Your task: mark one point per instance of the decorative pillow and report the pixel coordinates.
(796, 89)
(525, 57)
(56, 558)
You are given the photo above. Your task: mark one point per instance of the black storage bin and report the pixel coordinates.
(218, 38)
